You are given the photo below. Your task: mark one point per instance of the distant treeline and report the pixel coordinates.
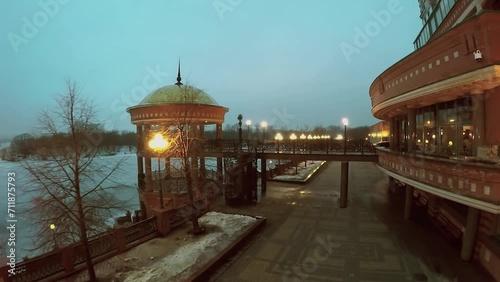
(26, 145)
(109, 142)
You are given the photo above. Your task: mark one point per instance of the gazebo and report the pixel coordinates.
(168, 107)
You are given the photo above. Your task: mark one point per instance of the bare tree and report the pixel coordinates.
(22, 145)
(185, 145)
(72, 193)
(6, 155)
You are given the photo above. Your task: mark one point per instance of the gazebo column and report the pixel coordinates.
(168, 172)
(218, 133)
(140, 161)
(194, 156)
(147, 159)
(201, 134)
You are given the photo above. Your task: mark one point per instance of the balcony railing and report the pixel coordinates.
(438, 15)
(468, 182)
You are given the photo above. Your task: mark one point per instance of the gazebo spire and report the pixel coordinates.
(179, 83)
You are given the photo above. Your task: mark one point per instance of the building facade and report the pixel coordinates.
(379, 132)
(442, 103)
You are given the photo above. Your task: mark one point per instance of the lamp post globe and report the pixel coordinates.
(53, 228)
(158, 144)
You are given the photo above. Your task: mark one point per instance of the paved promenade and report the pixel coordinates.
(308, 238)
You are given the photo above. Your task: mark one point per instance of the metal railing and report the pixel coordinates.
(294, 147)
(70, 259)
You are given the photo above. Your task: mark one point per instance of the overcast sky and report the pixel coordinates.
(289, 62)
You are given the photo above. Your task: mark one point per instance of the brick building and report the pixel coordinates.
(441, 102)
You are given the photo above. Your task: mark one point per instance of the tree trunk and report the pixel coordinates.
(194, 211)
(84, 239)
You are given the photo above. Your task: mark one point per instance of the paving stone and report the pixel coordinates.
(309, 238)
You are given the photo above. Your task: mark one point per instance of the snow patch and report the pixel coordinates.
(302, 172)
(184, 258)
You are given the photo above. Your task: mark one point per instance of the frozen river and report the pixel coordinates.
(125, 178)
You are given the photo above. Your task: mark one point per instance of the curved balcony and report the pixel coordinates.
(442, 70)
(471, 183)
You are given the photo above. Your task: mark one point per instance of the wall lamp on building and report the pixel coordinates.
(478, 56)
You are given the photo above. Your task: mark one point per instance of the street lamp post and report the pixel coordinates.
(303, 143)
(317, 144)
(344, 170)
(327, 137)
(53, 228)
(293, 137)
(263, 125)
(248, 123)
(240, 132)
(345, 122)
(278, 138)
(158, 145)
(310, 137)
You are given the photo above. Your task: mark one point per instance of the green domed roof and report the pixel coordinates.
(182, 94)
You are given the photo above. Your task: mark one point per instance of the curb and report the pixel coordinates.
(206, 270)
(305, 180)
